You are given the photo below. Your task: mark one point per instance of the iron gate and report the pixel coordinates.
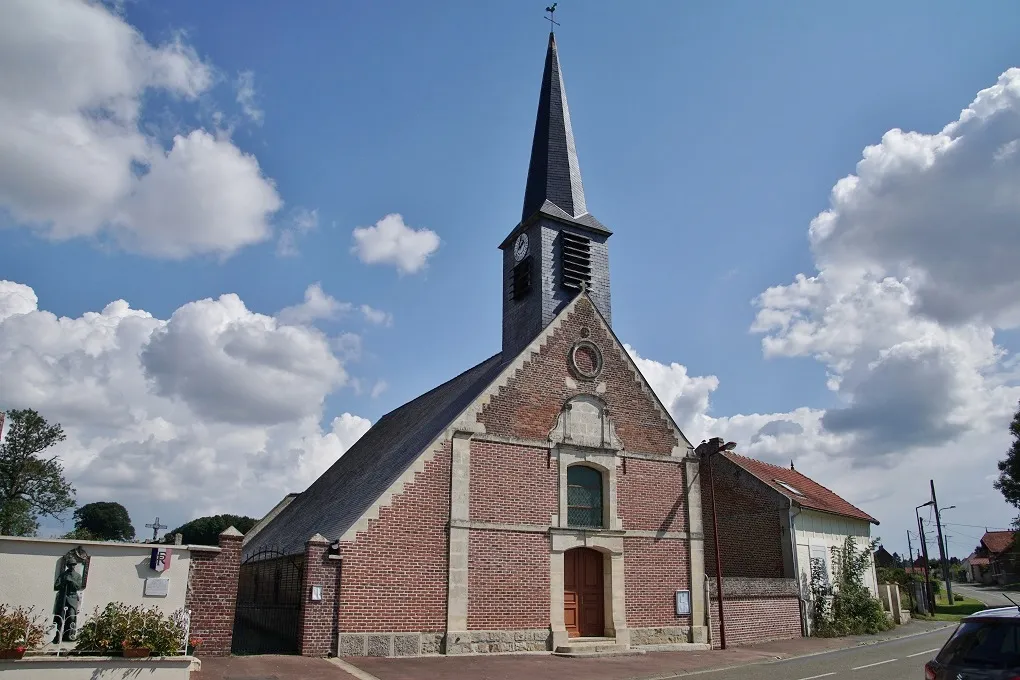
(268, 612)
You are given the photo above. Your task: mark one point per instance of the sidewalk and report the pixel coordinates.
(651, 666)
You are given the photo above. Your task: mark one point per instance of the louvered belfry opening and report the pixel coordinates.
(575, 260)
(520, 279)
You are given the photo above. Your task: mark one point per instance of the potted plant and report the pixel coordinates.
(20, 630)
(134, 632)
(193, 645)
(134, 646)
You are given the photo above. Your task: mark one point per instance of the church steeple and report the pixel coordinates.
(554, 174)
(558, 248)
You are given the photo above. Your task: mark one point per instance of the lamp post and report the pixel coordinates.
(943, 545)
(707, 451)
(924, 547)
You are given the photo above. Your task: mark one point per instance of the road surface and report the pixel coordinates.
(901, 659)
(990, 595)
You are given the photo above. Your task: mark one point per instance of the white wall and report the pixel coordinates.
(117, 573)
(818, 532)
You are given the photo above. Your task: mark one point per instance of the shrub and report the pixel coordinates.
(847, 606)
(20, 627)
(119, 626)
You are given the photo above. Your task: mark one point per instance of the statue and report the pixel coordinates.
(73, 576)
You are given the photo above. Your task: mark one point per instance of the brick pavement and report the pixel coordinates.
(651, 666)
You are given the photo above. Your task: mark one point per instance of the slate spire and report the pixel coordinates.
(554, 174)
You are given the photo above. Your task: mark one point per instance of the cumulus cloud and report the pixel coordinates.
(390, 241)
(321, 306)
(216, 409)
(76, 159)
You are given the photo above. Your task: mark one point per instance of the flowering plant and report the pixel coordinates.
(20, 628)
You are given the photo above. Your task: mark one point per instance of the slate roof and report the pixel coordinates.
(997, 541)
(554, 173)
(339, 497)
(812, 495)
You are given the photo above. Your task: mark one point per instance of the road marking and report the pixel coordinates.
(874, 664)
(352, 669)
(815, 677)
(911, 656)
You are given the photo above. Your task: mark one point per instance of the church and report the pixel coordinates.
(541, 500)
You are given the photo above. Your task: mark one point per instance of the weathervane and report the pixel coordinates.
(552, 11)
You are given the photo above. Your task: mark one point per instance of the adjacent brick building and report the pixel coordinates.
(541, 496)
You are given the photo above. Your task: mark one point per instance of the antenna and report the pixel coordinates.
(1011, 600)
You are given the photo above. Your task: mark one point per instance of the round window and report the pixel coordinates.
(586, 359)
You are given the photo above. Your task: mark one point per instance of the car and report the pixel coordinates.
(985, 646)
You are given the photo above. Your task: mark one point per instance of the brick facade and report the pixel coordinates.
(529, 404)
(498, 474)
(651, 495)
(655, 569)
(318, 618)
(508, 581)
(212, 593)
(395, 573)
(750, 523)
(756, 619)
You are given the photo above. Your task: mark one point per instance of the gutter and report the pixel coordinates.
(803, 603)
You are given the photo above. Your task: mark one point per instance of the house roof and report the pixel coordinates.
(998, 541)
(799, 489)
(335, 501)
(978, 561)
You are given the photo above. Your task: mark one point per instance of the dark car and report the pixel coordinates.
(985, 646)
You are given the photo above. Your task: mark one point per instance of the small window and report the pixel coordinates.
(584, 497)
(520, 279)
(788, 487)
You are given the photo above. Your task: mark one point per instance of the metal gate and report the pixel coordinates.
(268, 604)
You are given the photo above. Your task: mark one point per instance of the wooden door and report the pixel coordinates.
(583, 603)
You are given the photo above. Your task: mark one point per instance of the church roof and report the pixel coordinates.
(553, 174)
(339, 497)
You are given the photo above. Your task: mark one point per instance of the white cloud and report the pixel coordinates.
(390, 241)
(379, 387)
(376, 316)
(245, 85)
(317, 305)
(216, 409)
(302, 221)
(75, 157)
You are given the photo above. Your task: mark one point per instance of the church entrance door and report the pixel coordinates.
(583, 594)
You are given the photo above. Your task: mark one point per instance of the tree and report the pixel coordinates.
(1009, 468)
(30, 485)
(206, 530)
(105, 520)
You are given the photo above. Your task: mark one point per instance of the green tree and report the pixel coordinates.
(206, 530)
(30, 485)
(105, 520)
(1009, 468)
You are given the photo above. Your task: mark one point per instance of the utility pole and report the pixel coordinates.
(707, 451)
(942, 550)
(910, 549)
(927, 575)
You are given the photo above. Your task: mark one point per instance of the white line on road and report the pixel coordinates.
(911, 656)
(815, 677)
(874, 664)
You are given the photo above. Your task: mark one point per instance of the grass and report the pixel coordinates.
(957, 610)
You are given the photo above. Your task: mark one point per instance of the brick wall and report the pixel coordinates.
(212, 594)
(749, 523)
(499, 474)
(316, 635)
(528, 405)
(750, 620)
(395, 573)
(508, 580)
(654, 569)
(651, 495)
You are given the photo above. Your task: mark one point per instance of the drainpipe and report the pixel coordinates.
(801, 602)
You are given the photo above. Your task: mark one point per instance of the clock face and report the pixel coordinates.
(521, 247)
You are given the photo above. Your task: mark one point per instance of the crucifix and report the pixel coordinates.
(155, 526)
(552, 11)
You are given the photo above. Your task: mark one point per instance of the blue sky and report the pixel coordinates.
(709, 136)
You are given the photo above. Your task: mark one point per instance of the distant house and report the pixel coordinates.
(884, 559)
(774, 521)
(992, 560)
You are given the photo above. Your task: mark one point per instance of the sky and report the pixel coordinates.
(236, 234)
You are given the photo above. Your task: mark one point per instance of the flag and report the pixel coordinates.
(160, 559)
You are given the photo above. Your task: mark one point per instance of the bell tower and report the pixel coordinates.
(558, 248)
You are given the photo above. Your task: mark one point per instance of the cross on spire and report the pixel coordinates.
(552, 22)
(155, 526)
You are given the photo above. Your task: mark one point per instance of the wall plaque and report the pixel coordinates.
(683, 603)
(157, 587)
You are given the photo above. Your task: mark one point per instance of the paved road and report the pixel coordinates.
(901, 659)
(990, 595)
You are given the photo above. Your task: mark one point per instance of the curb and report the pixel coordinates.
(778, 659)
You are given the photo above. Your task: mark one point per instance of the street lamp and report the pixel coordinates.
(707, 451)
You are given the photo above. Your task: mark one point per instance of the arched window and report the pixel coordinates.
(584, 497)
